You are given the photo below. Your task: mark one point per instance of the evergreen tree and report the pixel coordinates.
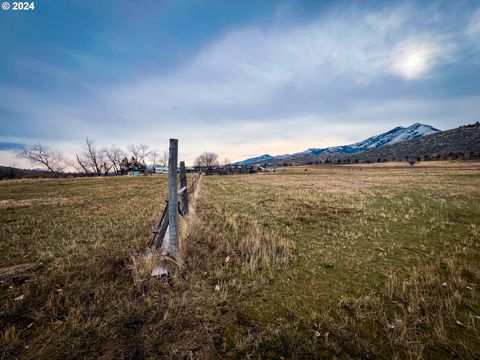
(124, 166)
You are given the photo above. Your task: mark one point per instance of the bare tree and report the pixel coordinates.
(93, 161)
(76, 165)
(88, 159)
(139, 152)
(153, 157)
(115, 155)
(206, 159)
(211, 159)
(163, 158)
(198, 161)
(82, 164)
(226, 161)
(42, 155)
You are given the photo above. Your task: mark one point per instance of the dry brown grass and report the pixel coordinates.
(142, 266)
(323, 263)
(252, 246)
(423, 311)
(371, 252)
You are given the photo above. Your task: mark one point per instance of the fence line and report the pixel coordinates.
(165, 236)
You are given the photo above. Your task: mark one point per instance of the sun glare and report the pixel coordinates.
(413, 64)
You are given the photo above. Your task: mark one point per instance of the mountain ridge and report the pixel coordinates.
(458, 143)
(393, 136)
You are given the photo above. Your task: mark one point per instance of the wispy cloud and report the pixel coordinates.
(473, 28)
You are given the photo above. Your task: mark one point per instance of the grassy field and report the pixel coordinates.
(305, 263)
(66, 246)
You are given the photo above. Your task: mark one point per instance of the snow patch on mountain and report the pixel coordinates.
(413, 132)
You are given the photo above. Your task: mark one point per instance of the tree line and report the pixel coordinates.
(95, 161)
(104, 161)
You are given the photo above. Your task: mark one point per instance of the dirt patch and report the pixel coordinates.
(11, 203)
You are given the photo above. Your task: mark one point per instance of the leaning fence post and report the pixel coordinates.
(183, 184)
(173, 197)
(161, 229)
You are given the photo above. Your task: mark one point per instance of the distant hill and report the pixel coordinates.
(459, 143)
(394, 136)
(8, 172)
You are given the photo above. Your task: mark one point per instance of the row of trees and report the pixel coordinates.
(95, 161)
(108, 160)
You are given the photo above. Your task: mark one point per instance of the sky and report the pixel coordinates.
(239, 78)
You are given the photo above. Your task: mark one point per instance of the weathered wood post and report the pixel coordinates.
(173, 197)
(183, 184)
(193, 186)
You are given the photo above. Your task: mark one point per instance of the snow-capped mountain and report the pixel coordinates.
(255, 160)
(391, 137)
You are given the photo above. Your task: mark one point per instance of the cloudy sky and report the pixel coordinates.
(241, 78)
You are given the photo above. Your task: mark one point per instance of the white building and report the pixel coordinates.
(161, 169)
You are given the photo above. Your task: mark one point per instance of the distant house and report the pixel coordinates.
(164, 169)
(134, 173)
(267, 169)
(161, 169)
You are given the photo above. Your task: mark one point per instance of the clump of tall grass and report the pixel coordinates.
(142, 266)
(253, 246)
(261, 249)
(236, 238)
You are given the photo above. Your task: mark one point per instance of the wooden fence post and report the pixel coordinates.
(183, 184)
(173, 197)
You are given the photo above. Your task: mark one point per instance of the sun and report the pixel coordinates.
(412, 64)
(415, 63)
